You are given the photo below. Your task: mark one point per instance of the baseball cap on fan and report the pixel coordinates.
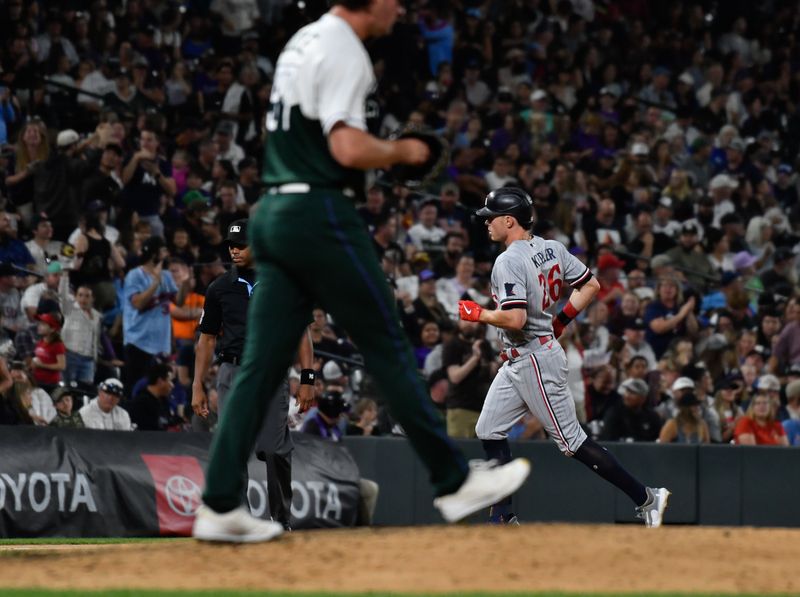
(331, 371)
(112, 386)
(67, 137)
(640, 149)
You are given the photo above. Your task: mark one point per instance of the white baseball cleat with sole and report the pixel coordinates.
(487, 483)
(236, 526)
(652, 511)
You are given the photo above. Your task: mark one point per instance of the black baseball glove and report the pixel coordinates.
(415, 177)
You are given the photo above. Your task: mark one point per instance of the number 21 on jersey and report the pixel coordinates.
(551, 286)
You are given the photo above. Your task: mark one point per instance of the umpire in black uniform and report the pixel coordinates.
(222, 328)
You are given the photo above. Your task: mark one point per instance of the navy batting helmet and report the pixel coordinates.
(509, 201)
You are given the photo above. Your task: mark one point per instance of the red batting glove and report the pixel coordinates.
(469, 310)
(558, 327)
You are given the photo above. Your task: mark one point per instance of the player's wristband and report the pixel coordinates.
(567, 314)
(308, 377)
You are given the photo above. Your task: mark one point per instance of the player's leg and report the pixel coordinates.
(278, 314)
(274, 446)
(502, 408)
(552, 402)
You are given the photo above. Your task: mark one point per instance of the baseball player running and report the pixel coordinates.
(527, 282)
(311, 247)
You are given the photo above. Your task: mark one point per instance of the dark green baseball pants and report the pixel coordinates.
(313, 249)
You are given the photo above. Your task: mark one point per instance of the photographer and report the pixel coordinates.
(470, 367)
(146, 323)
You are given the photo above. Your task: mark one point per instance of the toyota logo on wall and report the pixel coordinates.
(183, 495)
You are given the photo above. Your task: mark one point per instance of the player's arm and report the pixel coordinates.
(354, 148)
(510, 319)
(580, 298)
(305, 355)
(203, 353)
(210, 326)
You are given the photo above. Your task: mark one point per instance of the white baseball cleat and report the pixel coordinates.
(487, 483)
(236, 526)
(652, 511)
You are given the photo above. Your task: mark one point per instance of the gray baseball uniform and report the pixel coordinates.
(531, 275)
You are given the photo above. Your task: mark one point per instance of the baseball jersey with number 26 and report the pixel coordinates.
(530, 274)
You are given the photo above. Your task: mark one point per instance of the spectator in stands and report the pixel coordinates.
(451, 290)
(791, 423)
(470, 367)
(727, 403)
(57, 180)
(35, 399)
(104, 411)
(609, 267)
(758, 426)
(688, 426)
(445, 265)
(426, 307)
(324, 422)
(364, 419)
(636, 345)
(669, 316)
(425, 235)
(689, 257)
(429, 338)
(188, 306)
(778, 279)
(786, 350)
(250, 181)
(104, 184)
(50, 354)
(150, 409)
(227, 148)
(12, 250)
(81, 335)
(229, 209)
(31, 149)
(54, 283)
(63, 400)
(453, 217)
(631, 419)
(42, 247)
(96, 261)
(147, 176)
(147, 294)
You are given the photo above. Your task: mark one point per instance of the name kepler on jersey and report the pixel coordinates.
(542, 257)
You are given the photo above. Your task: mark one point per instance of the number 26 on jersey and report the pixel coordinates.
(551, 286)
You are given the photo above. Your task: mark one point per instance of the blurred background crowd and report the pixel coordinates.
(658, 140)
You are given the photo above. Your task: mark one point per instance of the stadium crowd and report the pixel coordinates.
(659, 142)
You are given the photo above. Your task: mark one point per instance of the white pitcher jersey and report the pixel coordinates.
(322, 77)
(530, 274)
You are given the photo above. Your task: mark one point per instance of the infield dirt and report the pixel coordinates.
(534, 557)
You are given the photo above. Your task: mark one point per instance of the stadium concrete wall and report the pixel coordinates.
(711, 485)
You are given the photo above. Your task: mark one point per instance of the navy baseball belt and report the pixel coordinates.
(509, 354)
(301, 188)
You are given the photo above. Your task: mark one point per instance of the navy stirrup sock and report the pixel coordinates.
(601, 461)
(498, 449)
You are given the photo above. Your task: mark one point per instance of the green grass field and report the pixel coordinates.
(41, 593)
(87, 540)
